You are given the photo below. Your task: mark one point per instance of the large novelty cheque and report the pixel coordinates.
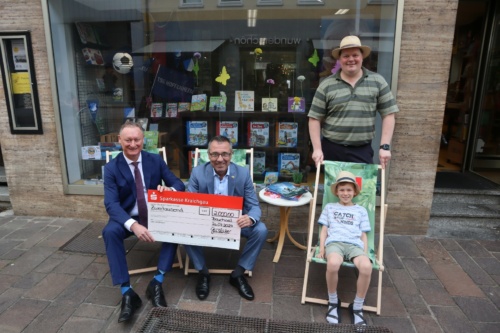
(194, 218)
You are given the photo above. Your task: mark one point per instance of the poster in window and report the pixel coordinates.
(19, 55)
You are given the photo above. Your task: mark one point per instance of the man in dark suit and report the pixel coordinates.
(127, 210)
(221, 176)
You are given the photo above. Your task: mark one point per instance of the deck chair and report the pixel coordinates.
(368, 199)
(109, 156)
(240, 158)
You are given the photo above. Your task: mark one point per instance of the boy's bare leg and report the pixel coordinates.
(334, 261)
(364, 267)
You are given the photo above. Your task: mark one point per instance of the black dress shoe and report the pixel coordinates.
(130, 302)
(243, 287)
(154, 292)
(203, 286)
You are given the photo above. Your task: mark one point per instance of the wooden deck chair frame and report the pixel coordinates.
(377, 256)
(198, 159)
(109, 156)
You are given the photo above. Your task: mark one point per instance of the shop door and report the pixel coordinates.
(462, 84)
(485, 148)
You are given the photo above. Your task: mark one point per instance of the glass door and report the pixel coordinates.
(486, 144)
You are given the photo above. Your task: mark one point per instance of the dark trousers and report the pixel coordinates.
(341, 153)
(114, 234)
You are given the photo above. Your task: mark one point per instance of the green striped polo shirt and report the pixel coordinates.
(348, 113)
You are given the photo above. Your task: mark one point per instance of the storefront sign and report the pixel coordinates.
(266, 41)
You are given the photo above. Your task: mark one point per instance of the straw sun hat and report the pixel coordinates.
(345, 177)
(349, 42)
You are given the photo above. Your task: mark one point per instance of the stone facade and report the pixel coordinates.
(33, 162)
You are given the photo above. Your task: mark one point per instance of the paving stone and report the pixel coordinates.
(204, 306)
(29, 280)
(490, 265)
(4, 263)
(80, 324)
(105, 296)
(490, 245)
(395, 324)
(450, 245)
(404, 246)
(391, 259)
(474, 248)
(174, 286)
(77, 291)
(256, 310)
(475, 272)
(14, 254)
(425, 324)
(493, 293)
(403, 282)
(433, 251)
(49, 264)
(21, 314)
(391, 302)
(94, 311)
(451, 319)
(419, 269)
(230, 302)
(478, 309)
(9, 297)
(26, 232)
(287, 267)
(287, 307)
(28, 261)
(38, 237)
(486, 327)
(6, 281)
(50, 287)
(51, 319)
(7, 244)
(75, 264)
(95, 271)
(58, 238)
(456, 281)
(434, 292)
(414, 304)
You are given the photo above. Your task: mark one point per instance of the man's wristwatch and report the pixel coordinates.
(385, 147)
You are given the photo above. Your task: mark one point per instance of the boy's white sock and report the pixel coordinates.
(332, 316)
(358, 306)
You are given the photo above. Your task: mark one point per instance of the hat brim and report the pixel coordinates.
(366, 50)
(333, 187)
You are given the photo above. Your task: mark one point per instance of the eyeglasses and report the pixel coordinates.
(216, 155)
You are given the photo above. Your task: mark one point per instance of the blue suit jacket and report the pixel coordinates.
(239, 185)
(120, 194)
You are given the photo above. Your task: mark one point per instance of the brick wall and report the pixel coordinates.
(33, 165)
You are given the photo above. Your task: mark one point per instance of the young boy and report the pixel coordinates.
(343, 236)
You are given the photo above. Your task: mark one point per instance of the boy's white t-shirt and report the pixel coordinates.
(345, 223)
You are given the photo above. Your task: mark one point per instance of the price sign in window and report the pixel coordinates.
(19, 81)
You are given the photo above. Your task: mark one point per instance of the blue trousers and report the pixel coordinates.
(256, 236)
(114, 234)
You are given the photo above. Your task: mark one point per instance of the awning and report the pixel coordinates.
(181, 45)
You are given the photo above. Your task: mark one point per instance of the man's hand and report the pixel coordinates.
(244, 221)
(162, 188)
(142, 233)
(317, 157)
(384, 157)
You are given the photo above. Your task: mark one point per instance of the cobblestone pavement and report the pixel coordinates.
(429, 285)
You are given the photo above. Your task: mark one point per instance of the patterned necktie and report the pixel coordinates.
(141, 200)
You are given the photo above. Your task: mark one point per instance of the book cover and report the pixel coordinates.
(199, 102)
(288, 163)
(269, 105)
(86, 33)
(93, 56)
(156, 110)
(244, 100)
(217, 104)
(271, 177)
(259, 162)
(286, 134)
(197, 133)
(171, 110)
(184, 106)
(286, 190)
(229, 129)
(258, 134)
(296, 104)
(108, 146)
(129, 113)
(150, 140)
(91, 153)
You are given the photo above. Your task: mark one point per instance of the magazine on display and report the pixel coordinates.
(286, 134)
(171, 110)
(296, 104)
(244, 100)
(199, 102)
(229, 129)
(258, 134)
(156, 110)
(197, 133)
(288, 163)
(259, 162)
(269, 105)
(184, 106)
(217, 104)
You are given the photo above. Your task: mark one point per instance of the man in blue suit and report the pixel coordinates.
(220, 176)
(127, 210)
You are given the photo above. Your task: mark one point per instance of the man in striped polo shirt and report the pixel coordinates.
(344, 109)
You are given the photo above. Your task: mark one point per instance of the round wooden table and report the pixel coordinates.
(285, 208)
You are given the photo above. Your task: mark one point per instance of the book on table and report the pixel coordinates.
(286, 190)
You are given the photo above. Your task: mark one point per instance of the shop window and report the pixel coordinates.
(311, 2)
(188, 75)
(191, 3)
(229, 3)
(269, 2)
